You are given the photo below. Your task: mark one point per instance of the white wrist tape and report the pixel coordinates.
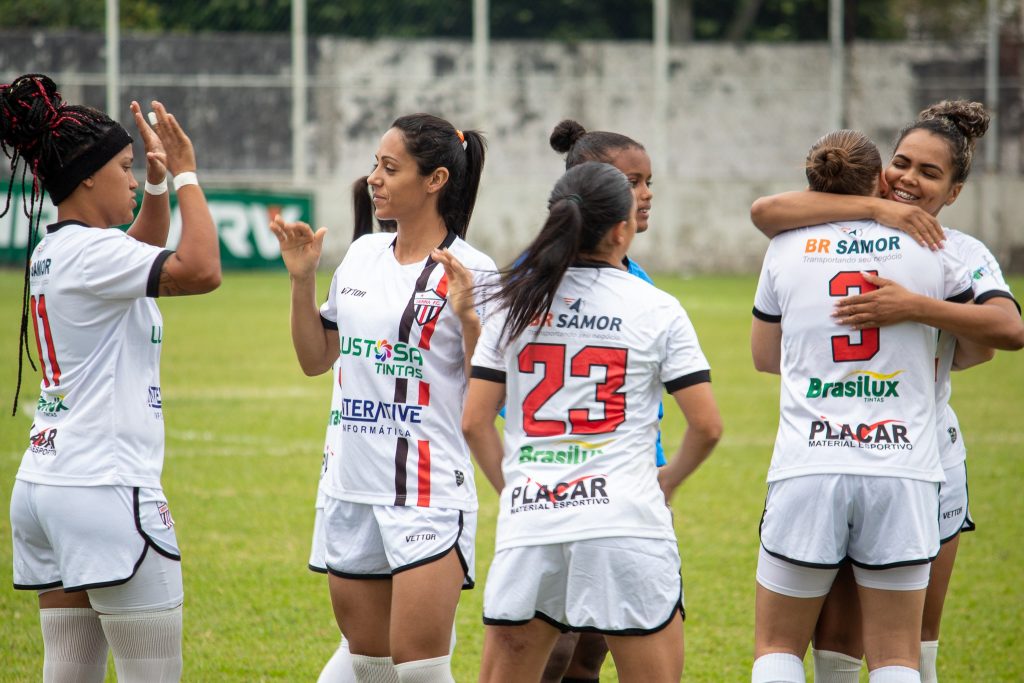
(186, 178)
(158, 189)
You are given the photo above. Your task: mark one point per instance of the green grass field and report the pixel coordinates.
(244, 437)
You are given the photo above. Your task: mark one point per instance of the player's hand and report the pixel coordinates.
(460, 283)
(891, 303)
(300, 246)
(915, 221)
(181, 156)
(667, 487)
(156, 157)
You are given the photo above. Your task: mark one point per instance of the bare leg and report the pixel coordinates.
(892, 627)
(423, 606)
(362, 608)
(938, 584)
(561, 658)
(588, 657)
(650, 659)
(839, 624)
(513, 654)
(782, 623)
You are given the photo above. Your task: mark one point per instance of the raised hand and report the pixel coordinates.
(300, 246)
(460, 283)
(156, 157)
(180, 154)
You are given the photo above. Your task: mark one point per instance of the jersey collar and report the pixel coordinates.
(54, 227)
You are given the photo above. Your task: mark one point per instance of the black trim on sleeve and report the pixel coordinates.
(996, 294)
(963, 297)
(153, 283)
(767, 317)
(328, 325)
(678, 383)
(489, 374)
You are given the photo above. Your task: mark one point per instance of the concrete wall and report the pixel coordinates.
(739, 122)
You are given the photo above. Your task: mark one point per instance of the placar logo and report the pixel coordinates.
(43, 442)
(881, 435)
(588, 490)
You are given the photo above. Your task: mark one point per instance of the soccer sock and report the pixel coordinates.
(894, 674)
(778, 667)
(146, 645)
(835, 667)
(929, 654)
(435, 670)
(374, 669)
(338, 668)
(74, 648)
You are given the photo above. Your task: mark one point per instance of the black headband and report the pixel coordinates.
(63, 181)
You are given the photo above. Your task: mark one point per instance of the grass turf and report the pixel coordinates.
(244, 437)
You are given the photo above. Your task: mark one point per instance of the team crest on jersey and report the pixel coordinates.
(427, 305)
(952, 434)
(165, 514)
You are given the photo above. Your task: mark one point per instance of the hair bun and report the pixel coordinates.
(30, 107)
(970, 118)
(565, 135)
(830, 162)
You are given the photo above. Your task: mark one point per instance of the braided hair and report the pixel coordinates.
(59, 144)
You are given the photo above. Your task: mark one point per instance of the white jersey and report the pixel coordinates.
(332, 436)
(987, 283)
(402, 360)
(853, 402)
(583, 388)
(99, 418)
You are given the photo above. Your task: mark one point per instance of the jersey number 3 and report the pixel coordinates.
(608, 393)
(843, 349)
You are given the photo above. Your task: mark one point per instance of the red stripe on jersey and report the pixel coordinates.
(424, 394)
(51, 352)
(428, 329)
(423, 475)
(39, 345)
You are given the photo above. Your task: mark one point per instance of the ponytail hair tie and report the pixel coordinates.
(575, 199)
(462, 138)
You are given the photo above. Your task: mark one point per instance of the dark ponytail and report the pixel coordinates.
(60, 144)
(362, 210)
(586, 202)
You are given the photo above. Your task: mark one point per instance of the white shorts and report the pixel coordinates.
(617, 586)
(820, 520)
(377, 541)
(954, 512)
(318, 548)
(84, 537)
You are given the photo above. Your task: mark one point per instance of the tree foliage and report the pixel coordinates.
(571, 20)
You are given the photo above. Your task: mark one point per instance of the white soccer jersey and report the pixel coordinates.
(853, 402)
(402, 360)
(583, 387)
(332, 436)
(99, 418)
(987, 283)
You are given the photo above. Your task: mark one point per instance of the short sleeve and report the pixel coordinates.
(682, 363)
(329, 308)
(486, 283)
(766, 302)
(117, 266)
(488, 358)
(987, 281)
(957, 279)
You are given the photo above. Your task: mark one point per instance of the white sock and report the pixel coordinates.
(74, 648)
(374, 669)
(835, 667)
(894, 674)
(146, 645)
(778, 667)
(436, 670)
(929, 653)
(338, 668)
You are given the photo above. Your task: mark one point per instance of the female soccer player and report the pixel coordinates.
(579, 656)
(578, 352)
(927, 171)
(401, 502)
(857, 444)
(91, 528)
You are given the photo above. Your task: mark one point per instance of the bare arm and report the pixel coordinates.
(766, 346)
(315, 346)
(154, 220)
(195, 267)
(483, 400)
(995, 324)
(778, 213)
(703, 431)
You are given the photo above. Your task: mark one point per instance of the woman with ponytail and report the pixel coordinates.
(400, 514)
(91, 528)
(578, 351)
(928, 169)
(855, 473)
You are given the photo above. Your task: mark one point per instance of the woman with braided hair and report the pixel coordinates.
(91, 528)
